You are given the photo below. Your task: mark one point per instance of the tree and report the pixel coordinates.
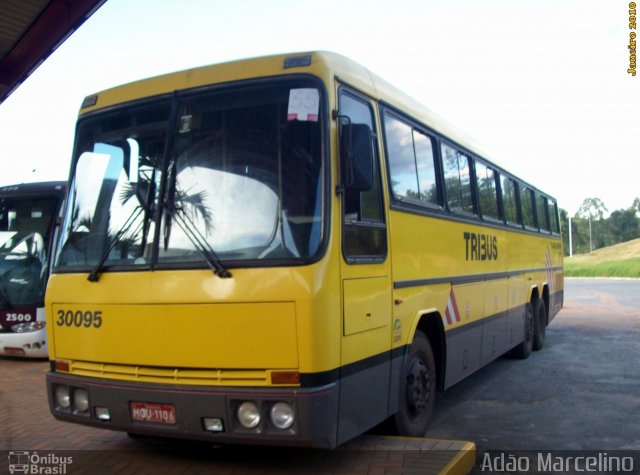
(592, 231)
(590, 208)
(623, 224)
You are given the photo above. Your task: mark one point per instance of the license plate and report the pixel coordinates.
(14, 351)
(153, 412)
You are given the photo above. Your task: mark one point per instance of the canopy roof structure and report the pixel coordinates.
(30, 30)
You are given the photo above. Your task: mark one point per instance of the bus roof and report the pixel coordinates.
(324, 64)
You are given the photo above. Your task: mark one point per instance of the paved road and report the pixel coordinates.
(582, 391)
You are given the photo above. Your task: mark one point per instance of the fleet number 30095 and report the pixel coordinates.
(78, 318)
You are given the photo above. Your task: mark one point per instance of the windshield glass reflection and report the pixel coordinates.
(241, 177)
(25, 225)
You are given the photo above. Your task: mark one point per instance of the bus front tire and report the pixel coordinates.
(539, 325)
(417, 389)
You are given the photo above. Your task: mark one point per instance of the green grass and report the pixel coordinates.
(622, 268)
(621, 260)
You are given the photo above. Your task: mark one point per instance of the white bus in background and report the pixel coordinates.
(28, 223)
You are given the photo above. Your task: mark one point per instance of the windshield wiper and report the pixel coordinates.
(189, 228)
(143, 192)
(200, 242)
(94, 275)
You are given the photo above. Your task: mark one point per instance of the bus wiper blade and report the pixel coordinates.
(94, 275)
(200, 242)
(188, 227)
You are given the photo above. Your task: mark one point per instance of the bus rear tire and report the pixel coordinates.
(417, 389)
(524, 349)
(539, 324)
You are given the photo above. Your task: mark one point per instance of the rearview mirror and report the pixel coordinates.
(356, 151)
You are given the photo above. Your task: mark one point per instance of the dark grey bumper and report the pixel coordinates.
(316, 410)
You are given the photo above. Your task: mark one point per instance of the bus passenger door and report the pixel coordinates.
(366, 279)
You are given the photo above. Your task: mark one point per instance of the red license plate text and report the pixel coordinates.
(153, 412)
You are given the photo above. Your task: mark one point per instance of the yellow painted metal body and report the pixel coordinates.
(426, 248)
(191, 327)
(195, 320)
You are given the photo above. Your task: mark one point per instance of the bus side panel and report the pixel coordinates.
(363, 397)
(494, 341)
(555, 277)
(517, 301)
(463, 352)
(364, 384)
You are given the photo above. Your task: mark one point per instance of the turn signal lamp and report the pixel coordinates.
(285, 377)
(62, 366)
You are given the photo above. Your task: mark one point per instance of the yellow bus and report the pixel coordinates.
(285, 250)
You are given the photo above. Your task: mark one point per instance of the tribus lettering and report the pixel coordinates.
(481, 247)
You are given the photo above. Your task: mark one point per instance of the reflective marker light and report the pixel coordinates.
(63, 399)
(297, 61)
(285, 377)
(213, 424)
(282, 415)
(248, 415)
(103, 414)
(81, 400)
(61, 365)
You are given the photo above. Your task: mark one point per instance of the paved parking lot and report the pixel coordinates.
(581, 392)
(27, 426)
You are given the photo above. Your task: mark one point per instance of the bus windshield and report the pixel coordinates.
(234, 175)
(24, 233)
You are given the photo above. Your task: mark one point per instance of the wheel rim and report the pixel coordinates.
(417, 389)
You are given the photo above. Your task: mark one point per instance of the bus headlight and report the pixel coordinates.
(27, 327)
(282, 415)
(248, 415)
(63, 398)
(81, 400)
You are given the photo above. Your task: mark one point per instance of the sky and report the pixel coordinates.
(541, 85)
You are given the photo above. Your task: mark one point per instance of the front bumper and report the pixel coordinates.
(315, 409)
(27, 345)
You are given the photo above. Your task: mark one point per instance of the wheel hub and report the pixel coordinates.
(417, 388)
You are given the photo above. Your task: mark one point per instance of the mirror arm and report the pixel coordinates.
(346, 151)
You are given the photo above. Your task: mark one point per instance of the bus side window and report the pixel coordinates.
(553, 216)
(528, 208)
(487, 194)
(509, 189)
(543, 215)
(411, 162)
(365, 236)
(457, 178)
